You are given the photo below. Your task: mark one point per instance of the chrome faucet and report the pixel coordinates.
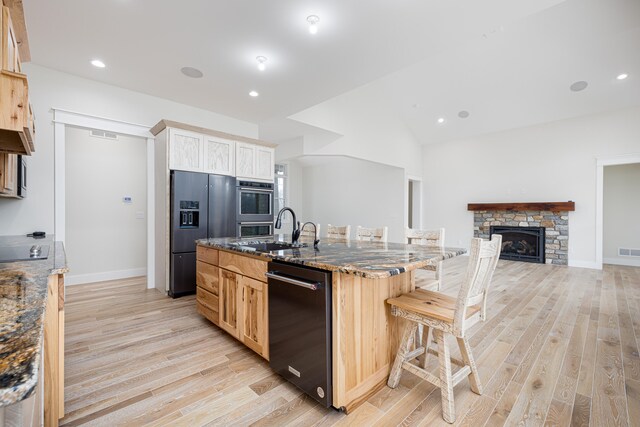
(295, 233)
(315, 233)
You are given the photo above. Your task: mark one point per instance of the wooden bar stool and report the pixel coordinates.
(434, 238)
(338, 232)
(446, 315)
(372, 234)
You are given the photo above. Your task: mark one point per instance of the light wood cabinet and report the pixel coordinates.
(254, 161)
(17, 130)
(185, 150)
(8, 175)
(54, 351)
(237, 284)
(219, 156)
(229, 302)
(254, 332)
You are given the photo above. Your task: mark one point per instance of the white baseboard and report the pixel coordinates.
(631, 262)
(80, 279)
(584, 264)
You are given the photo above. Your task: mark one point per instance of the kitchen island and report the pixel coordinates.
(232, 293)
(32, 334)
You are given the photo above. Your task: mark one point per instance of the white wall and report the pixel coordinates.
(371, 130)
(549, 162)
(621, 204)
(53, 89)
(104, 239)
(340, 190)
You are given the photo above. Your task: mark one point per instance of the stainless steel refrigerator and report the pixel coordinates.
(202, 206)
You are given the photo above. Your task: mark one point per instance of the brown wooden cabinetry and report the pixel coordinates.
(238, 284)
(17, 129)
(8, 175)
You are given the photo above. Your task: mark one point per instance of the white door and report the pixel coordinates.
(264, 163)
(186, 150)
(219, 156)
(245, 160)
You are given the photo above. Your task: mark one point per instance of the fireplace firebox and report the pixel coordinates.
(521, 243)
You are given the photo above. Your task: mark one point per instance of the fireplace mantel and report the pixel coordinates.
(569, 206)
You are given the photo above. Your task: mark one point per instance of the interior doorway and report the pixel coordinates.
(414, 203)
(106, 205)
(621, 204)
(601, 163)
(64, 120)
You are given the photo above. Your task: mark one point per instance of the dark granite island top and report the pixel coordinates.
(373, 260)
(23, 294)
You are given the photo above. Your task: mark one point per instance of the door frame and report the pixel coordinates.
(417, 221)
(63, 118)
(601, 162)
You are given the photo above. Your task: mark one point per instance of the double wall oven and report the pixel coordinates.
(255, 208)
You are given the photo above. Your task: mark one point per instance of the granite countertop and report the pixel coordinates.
(374, 260)
(23, 293)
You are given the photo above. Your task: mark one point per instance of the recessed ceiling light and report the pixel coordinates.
(194, 73)
(313, 23)
(578, 86)
(261, 62)
(253, 93)
(463, 114)
(441, 120)
(622, 76)
(97, 63)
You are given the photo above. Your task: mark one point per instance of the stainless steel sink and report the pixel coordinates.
(269, 246)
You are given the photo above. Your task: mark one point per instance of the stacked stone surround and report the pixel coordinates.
(556, 226)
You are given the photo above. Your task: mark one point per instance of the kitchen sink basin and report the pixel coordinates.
(269, 246)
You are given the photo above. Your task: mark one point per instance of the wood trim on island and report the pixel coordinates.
(569, 206)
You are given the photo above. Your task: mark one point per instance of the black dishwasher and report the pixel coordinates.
(300, 327)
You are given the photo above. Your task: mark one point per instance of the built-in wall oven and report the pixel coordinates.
(254, 214)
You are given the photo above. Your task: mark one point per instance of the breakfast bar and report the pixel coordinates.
(364, 334)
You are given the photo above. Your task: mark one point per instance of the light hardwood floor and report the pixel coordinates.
(560, 347)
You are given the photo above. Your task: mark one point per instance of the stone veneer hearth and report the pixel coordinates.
(556, 226)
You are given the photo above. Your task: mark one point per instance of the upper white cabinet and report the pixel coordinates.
(264, 163)
(254, 161)
(195, 149)
(186, 150)
(219, 156)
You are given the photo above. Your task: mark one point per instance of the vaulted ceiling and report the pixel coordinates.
(508, 63)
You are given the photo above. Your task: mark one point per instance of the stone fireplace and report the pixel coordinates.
(551, 246)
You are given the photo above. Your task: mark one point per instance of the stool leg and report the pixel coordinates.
(467, 356)
(405, 346)
(425, 344)
(446, 388)
(439, 275)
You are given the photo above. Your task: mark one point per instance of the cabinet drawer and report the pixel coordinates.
(207, 276)
(213, 316)
(246, 266)
(208, 255)
(206, 298)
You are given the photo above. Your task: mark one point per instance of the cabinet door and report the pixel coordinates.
(264, 163)
(185, 150)
(9, 43)
(255, 328)
(219, 156)
(8, 174)
(245, 160)
(228, 298)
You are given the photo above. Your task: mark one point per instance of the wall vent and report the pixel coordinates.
(628, 252)
(104, 134)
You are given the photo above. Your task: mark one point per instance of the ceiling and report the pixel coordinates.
(508, 63)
